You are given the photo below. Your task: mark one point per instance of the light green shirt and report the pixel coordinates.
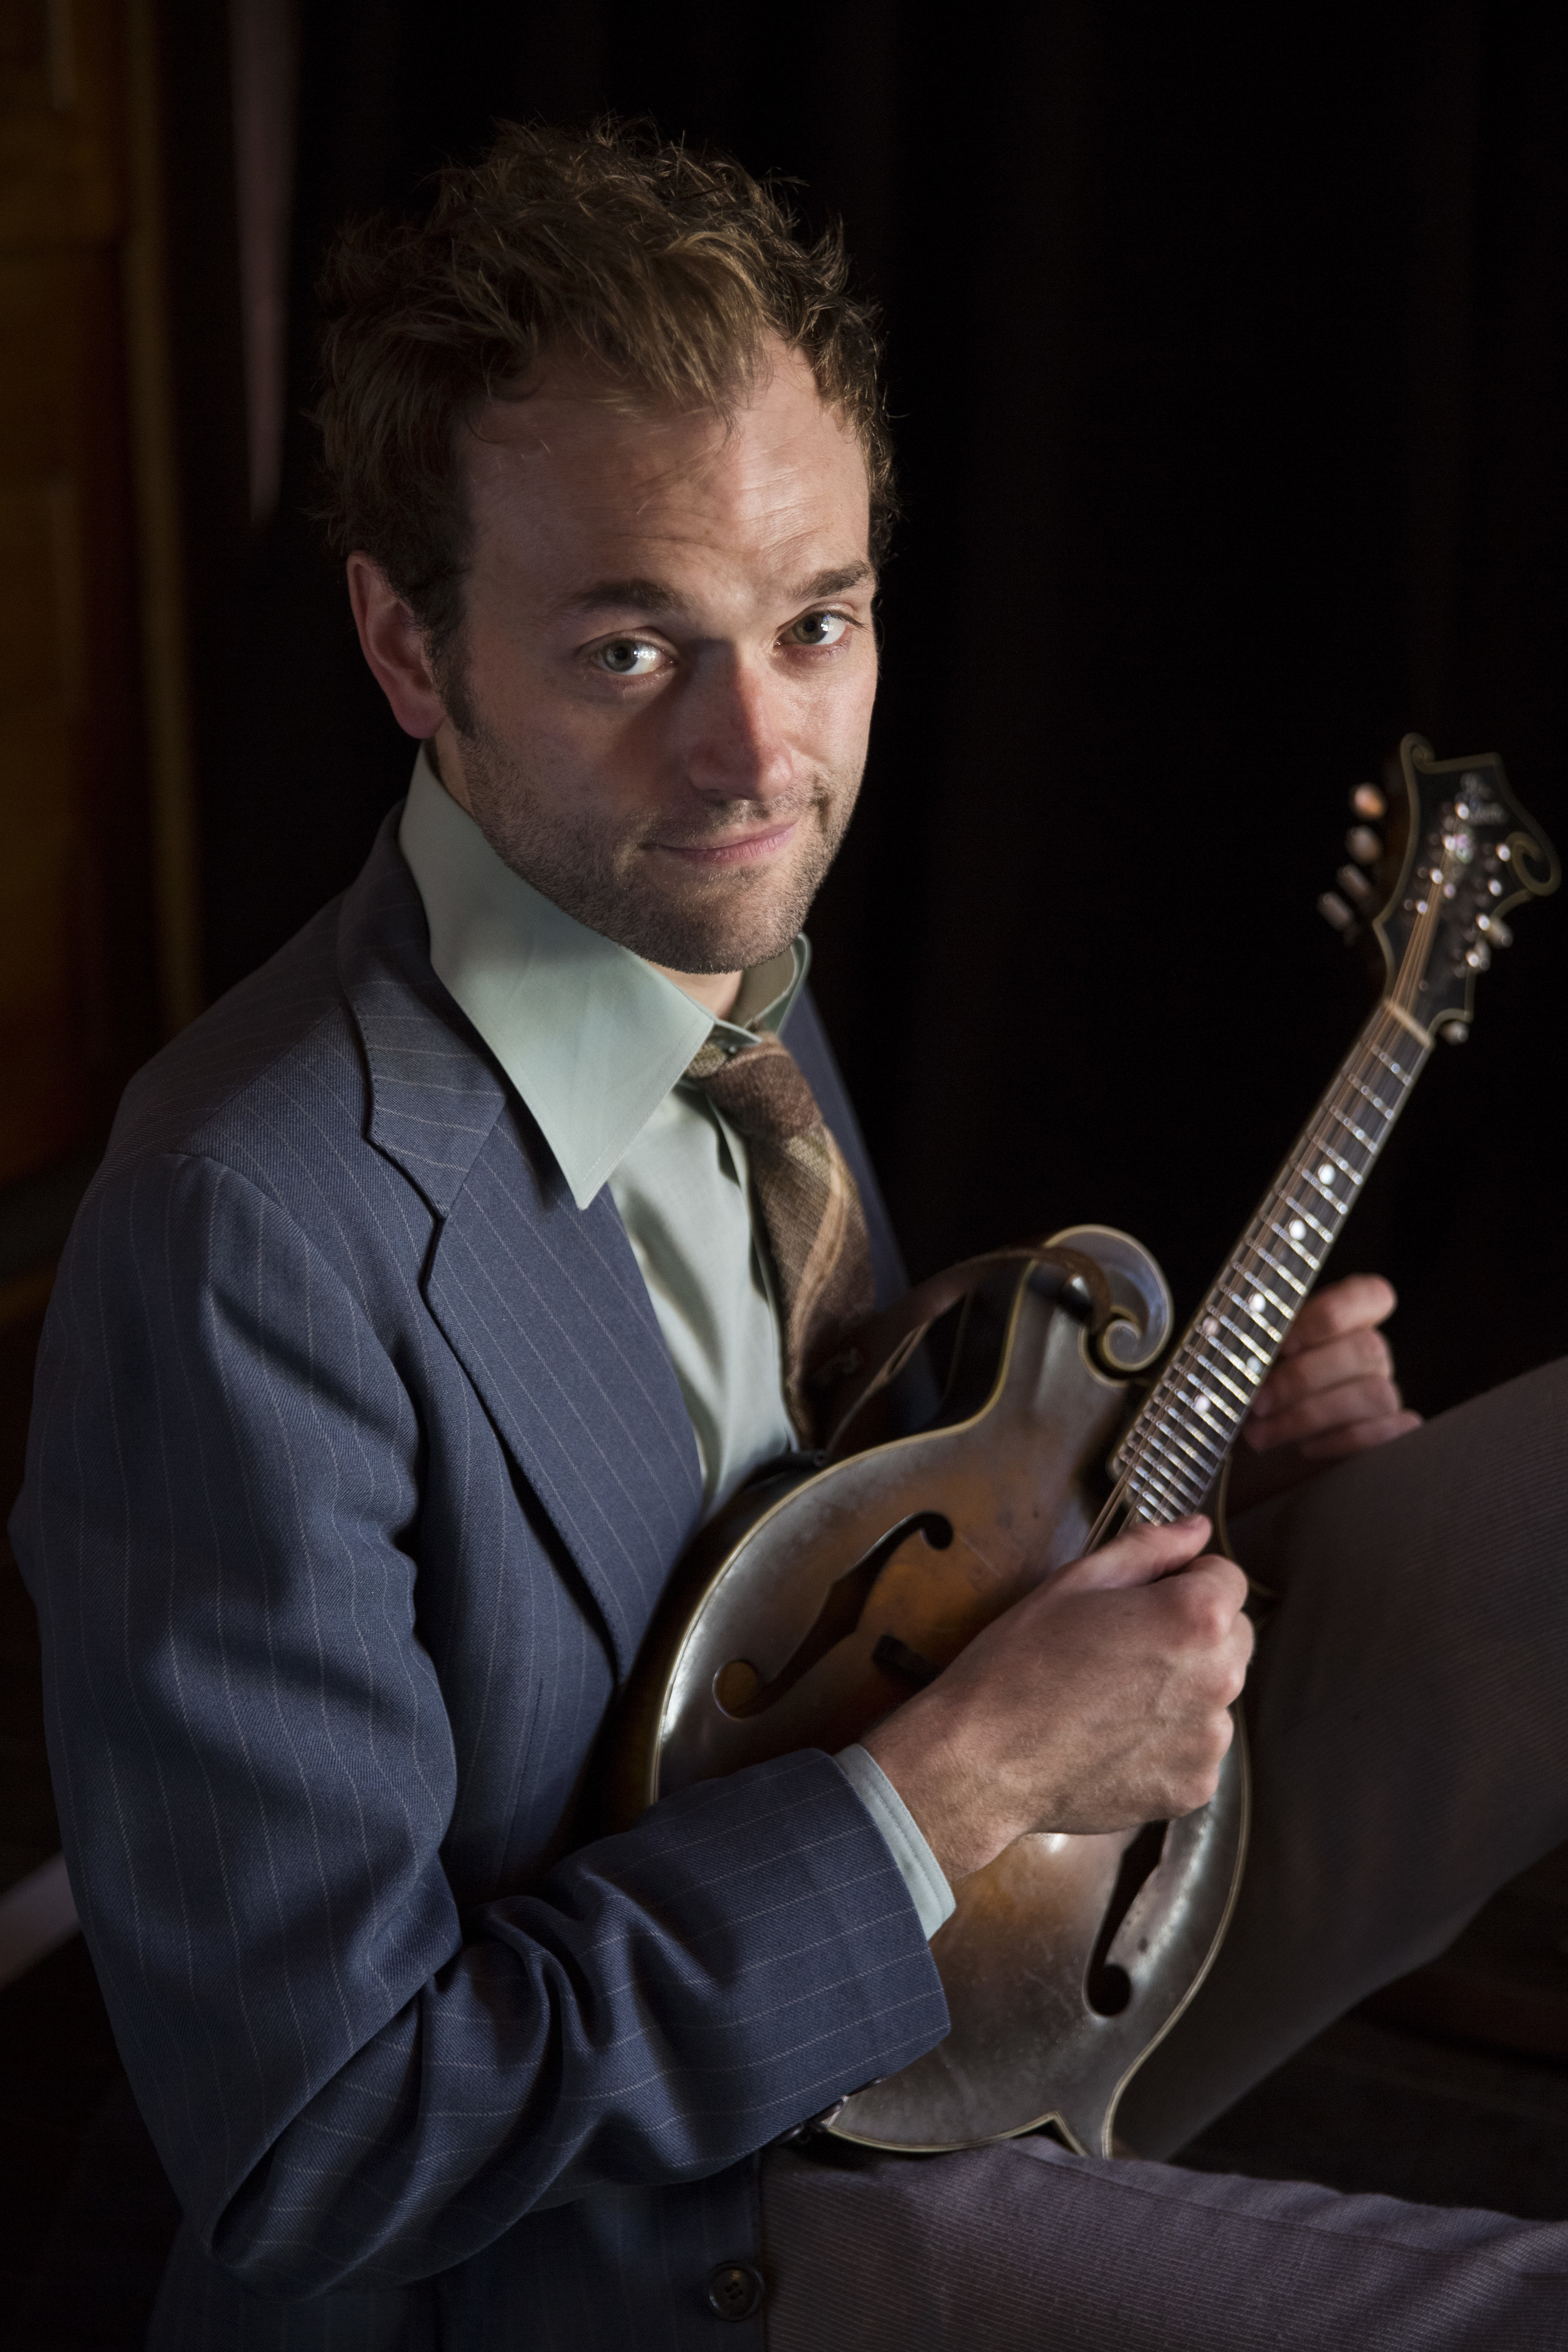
(597, 1042)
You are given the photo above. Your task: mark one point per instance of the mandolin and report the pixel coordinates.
(837, 1583)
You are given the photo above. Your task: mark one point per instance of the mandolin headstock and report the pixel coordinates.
(1435, 868)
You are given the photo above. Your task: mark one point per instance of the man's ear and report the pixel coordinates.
(393, 643)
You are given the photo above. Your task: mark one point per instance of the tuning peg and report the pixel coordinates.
(1333, 910)
(1354, 884)
(1364, 845)
(1368, 802)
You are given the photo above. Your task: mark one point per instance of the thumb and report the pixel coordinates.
(1142, 1554)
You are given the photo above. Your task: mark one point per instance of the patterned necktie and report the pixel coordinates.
(810, 1204)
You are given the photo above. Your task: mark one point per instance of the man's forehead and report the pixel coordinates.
(606, 509)
(649, 593)
(638, 469)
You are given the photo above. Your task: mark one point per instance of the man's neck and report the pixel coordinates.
(716, 992)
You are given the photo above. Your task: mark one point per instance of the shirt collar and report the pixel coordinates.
(591, 1037)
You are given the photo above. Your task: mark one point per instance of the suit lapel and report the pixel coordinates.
(542, 1304)
(545, 1309)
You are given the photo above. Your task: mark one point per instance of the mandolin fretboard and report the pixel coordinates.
(1171, 1456)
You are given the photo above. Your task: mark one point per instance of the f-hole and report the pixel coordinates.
(1106, 1987)
(741, 1690)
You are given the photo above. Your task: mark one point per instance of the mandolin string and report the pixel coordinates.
(1174, 1450)
(1178, 1442)
(1181, 1438)
(1150, 1481)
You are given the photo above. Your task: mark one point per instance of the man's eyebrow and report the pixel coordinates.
(658, 596)
(835, 582)
(615, 595)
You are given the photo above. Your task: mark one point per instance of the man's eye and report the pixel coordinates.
(628, 657)
(819, 629)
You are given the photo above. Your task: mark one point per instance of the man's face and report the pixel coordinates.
(667, 665)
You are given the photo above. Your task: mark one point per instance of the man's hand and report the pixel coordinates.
(1333, 1390)
(1098, 1701)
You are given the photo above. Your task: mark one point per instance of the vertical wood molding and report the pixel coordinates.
(165, 648)
(263, 52)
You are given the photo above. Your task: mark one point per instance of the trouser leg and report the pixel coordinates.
(1408, 1716)
(1021, 2245)
(1409, 1720)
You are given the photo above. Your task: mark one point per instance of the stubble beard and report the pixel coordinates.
(734, 919)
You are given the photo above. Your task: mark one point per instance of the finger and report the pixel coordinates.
(1358, 1355)
(1139, 1555)
(1206, 1602)
(1357, 1437)
(1360, 1302)
(1372, 1398)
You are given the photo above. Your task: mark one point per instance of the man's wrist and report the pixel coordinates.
(923, 1873)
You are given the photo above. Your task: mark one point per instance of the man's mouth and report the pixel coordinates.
(744, 849)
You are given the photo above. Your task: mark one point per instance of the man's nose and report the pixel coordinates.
(734, 733)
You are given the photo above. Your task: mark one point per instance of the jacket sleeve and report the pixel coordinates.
(349, 2083)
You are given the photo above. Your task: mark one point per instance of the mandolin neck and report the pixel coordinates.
(1171, 1455)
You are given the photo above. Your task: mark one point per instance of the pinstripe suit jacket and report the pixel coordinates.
(358, 1466)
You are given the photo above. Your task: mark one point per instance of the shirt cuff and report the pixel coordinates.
(918, 1867)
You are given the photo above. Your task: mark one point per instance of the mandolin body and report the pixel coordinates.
(828, 1593)
(830, 1589)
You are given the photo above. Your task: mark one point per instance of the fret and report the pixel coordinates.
(1283, 1272)
(1194, 1372)
(1354, 1087)
(1295, 1242)
(1251, 1366)
(1209, 1468)
(1351, 1129)
(1372, 1096)
(1325, 1191)
(1156, 1471)
(1175, 1446)
(1258, 1319)
(1196, 1423)
(1260, 1291)
(1178, 1482)
(1182, 1423)
(1247, 1370)
(1161, 1504)
(1160, 1509)
(1342, 1165)
(1161, 1491)
(1221, 1323)
(1200, 1459)
(1405, 1076)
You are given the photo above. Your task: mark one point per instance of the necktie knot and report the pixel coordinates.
(761, 1089)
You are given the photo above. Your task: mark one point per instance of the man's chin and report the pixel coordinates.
(684, 946)
(711, 929)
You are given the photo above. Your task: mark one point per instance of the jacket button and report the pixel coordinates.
(735, 2291)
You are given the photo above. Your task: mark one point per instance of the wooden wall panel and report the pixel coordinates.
(76, 985)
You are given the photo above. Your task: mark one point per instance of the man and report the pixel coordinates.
(444, 1277)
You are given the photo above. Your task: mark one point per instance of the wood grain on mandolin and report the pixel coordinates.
(834, 1586)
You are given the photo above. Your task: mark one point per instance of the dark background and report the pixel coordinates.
(1228, 358)
(1228, 362)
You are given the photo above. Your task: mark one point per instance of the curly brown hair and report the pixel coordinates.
(667, 267)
